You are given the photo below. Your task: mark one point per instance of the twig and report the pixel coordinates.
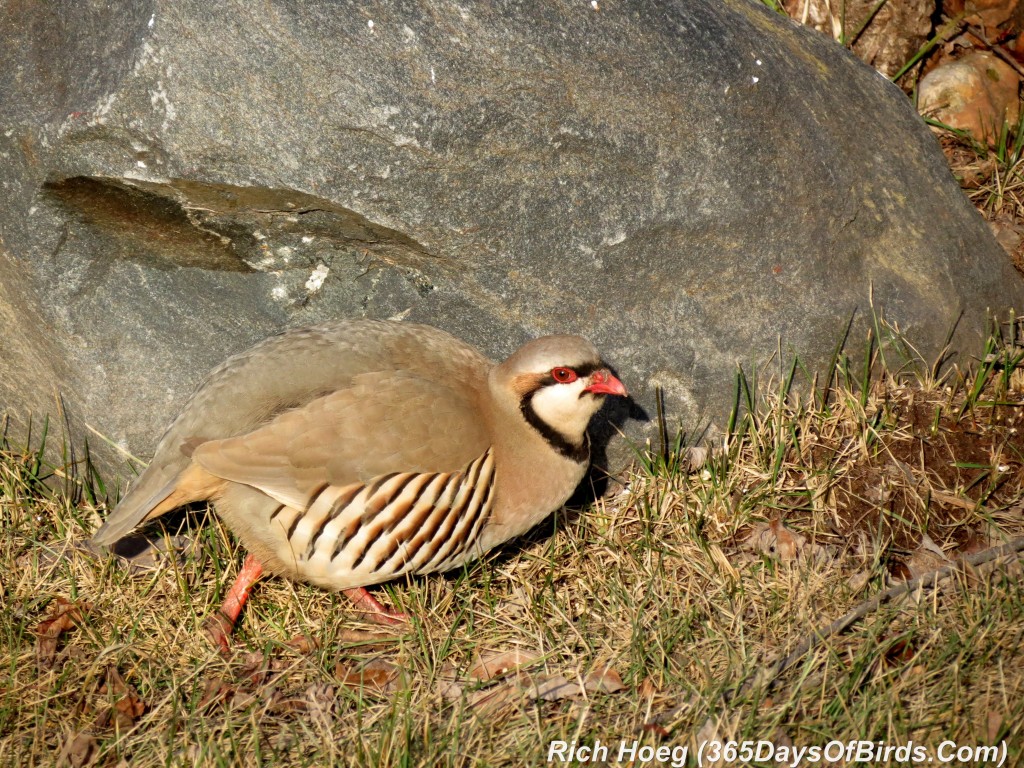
(768, 678)
(998, 50)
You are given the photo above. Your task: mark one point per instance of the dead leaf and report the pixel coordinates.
(952, 500)
(926, 558)
(303, 644)
(783, 739)
(900, 652)
(603, 680)
(648, 688)
(696, 457)
(554, 688)
(280, 703)
(79, 750)
(994, 726)
(127, 709)
(899, 571)
(240, 699)
(256, 666)
(989, 13)
(216, 691)
(858, 581)
(64, 616)
(320, 700)
(978, 541)
(368, 642)
(887, 33)
(376, 676)
(448, 685)
(131, 708)
(496, 664)
(493, 701)
(710, 730)
(520, 686)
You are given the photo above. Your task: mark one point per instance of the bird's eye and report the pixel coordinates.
(563, 375)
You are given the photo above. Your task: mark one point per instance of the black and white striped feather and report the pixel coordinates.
(399, 523)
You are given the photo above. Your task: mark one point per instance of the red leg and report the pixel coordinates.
(220, 624)
(369, 605)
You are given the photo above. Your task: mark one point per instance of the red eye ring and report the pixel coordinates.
(563, 375)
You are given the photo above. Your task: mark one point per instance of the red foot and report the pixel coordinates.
(219, 625)
(367, 604)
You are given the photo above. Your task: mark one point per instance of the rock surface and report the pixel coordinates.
(684, 183)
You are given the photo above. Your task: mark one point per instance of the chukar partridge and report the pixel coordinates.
(353, 452)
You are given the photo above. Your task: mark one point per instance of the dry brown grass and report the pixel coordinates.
(683, 583)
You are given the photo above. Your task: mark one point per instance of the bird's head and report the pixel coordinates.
(557, 383)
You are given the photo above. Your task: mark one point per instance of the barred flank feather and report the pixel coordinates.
(396, 524)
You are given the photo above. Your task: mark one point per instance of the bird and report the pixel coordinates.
(353, 452)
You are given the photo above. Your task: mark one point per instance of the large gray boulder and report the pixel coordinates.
(684, 183)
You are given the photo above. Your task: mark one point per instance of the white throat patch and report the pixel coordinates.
(566, 408)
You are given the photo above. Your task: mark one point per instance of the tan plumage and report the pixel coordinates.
(352, 452)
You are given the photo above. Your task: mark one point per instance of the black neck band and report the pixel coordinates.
(578, 453)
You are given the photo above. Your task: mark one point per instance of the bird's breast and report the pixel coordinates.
(527, 492)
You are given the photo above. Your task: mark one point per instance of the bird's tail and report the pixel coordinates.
(134, 509)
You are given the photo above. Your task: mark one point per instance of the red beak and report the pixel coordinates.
(603, 383)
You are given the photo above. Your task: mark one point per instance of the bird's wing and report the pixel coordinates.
(382, 422)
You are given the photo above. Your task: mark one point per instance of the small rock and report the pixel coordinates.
(977, 94)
